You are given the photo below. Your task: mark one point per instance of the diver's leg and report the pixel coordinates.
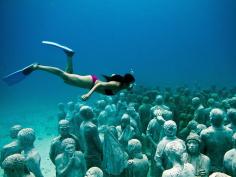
(69, 54)
(50, 69)
(72, 79)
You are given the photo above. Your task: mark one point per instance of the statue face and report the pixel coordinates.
(170, 132)
(64, 130)
(61, 106)
(70, 149)
(125, 122)
(159, 100)
(193, 147)
(170, 129)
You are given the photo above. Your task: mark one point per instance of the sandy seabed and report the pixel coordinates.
(45, 125)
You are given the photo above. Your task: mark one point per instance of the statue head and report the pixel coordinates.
(14, 165)
(175, 151)
(192, 125)
(196, 102)
(64, 127)
(71, 106)
(94, 172)
(231, 114)
(26, 137)
(210, 102)
(131, 110)
(109, 99)
(225, 104)
(159, 100)
(167, 115)
(134, 147)
(86, 112)
(216, 117)
(145, 100)
(101, 104)
(193, 142)
(125, 120)
(61, 106)
(108, 110)
(69, 145)
(78, 106)
(122, 96)
(15, 130)
(170, 128)
(234, 140)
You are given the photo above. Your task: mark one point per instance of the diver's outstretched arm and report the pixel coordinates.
(87, 95)
(105, 85)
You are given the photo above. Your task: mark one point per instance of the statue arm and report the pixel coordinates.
(158, 156)
(149, 134)
(2, 156)
(203, 139)
(63, 170)
(52, 153)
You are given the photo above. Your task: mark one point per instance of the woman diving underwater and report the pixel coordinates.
(111, 86)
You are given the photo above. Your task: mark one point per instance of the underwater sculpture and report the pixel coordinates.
(13, 147)
(113, 153)
(70, 112)
(175, 152)
(191, 127)
(138, 165)
(199, 111)
(94, 172)
(122, 104)
(61, 113)
(231, 114)
(210, 106)
(26, 137)
(115, 159)
(56, 145)
(135, 120)
(144, 113)
(218, 174)
(200, 162)
(15, 166)
(106, 117)
(216, 139)
(90, 138)
(125, 131)
(113, 84)
(153, 135)
(159, 105)
(230, 159)
(161, 158)
(70, 163)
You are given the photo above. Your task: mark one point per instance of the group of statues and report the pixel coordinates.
(157, 133)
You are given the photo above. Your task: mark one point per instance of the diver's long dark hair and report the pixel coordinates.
(126, 79)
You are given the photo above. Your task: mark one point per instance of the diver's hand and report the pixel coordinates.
(85, 97)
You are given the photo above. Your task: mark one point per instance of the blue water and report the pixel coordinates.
(166, 42)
